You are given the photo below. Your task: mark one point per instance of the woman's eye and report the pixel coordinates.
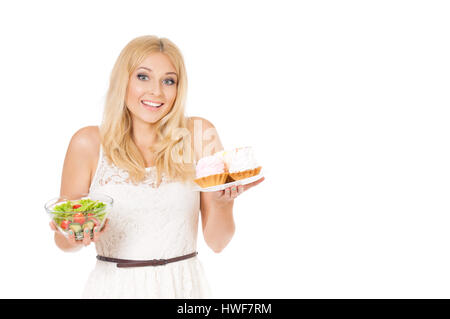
(145, 77)
(141, 75)
(173, 82)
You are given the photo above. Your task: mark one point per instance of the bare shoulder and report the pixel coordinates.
(88, 138)
(197, 120)
(80, 161)
(209, 141)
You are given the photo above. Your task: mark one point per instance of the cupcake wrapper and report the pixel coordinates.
(245, 174)
(211, 180)
(229, 179)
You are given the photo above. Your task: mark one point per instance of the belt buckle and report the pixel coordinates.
(161, 261)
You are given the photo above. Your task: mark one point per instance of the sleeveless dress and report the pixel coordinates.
(147, 222)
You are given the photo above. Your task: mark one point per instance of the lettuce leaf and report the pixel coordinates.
(87, 206)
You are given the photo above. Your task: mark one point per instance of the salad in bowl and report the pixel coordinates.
(77, 214)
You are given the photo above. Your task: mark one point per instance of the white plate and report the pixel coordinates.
(223, 186)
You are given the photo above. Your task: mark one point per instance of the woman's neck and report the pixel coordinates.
(144, 134)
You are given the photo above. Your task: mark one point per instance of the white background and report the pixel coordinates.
(346, 104)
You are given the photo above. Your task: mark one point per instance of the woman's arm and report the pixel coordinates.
(217, 218)
(217, 215)
(76, 177)
(216, 207)
(217, 221)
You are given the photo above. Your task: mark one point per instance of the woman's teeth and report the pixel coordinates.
(152, 104)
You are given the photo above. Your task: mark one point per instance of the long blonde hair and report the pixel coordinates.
(173, 153)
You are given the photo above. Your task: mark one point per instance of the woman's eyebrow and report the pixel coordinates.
(150, 70)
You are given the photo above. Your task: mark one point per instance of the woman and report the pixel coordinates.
(143, 155)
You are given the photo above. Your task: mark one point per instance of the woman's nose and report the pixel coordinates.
(155, 88)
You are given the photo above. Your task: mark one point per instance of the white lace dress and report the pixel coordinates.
(147, 222)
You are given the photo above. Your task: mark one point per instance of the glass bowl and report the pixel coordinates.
(79, 213)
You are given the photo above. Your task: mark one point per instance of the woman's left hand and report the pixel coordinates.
(229, 194)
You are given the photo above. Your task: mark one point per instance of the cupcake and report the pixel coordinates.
(242, 163)
(226, 157)
(210, 171)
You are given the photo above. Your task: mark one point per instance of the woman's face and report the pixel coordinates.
(153, 81)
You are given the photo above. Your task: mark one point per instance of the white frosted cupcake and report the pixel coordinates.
(241, 163)
(225, 156)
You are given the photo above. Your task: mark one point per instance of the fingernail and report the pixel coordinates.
(70, 232)
(96, 229)
(87, 231)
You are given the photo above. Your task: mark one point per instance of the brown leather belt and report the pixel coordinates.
(142, 263)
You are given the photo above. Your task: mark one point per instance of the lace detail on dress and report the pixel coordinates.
(111, 174)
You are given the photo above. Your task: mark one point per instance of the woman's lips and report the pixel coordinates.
(151, 108)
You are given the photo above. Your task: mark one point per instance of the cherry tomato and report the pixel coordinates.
(79, 218)
(76, 206)
(65, 224)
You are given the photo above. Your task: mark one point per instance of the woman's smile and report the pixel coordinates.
(151, 105)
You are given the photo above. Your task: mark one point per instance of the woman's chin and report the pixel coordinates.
(149, 117)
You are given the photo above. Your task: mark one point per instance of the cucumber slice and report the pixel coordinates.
(89, 225)
(75, 227)
(78, 230)
(94, 220)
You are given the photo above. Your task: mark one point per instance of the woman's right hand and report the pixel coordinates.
(71, 242)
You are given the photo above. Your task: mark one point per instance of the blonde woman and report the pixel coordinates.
(143, 155)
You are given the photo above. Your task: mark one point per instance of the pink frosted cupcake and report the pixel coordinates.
(210, 171)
